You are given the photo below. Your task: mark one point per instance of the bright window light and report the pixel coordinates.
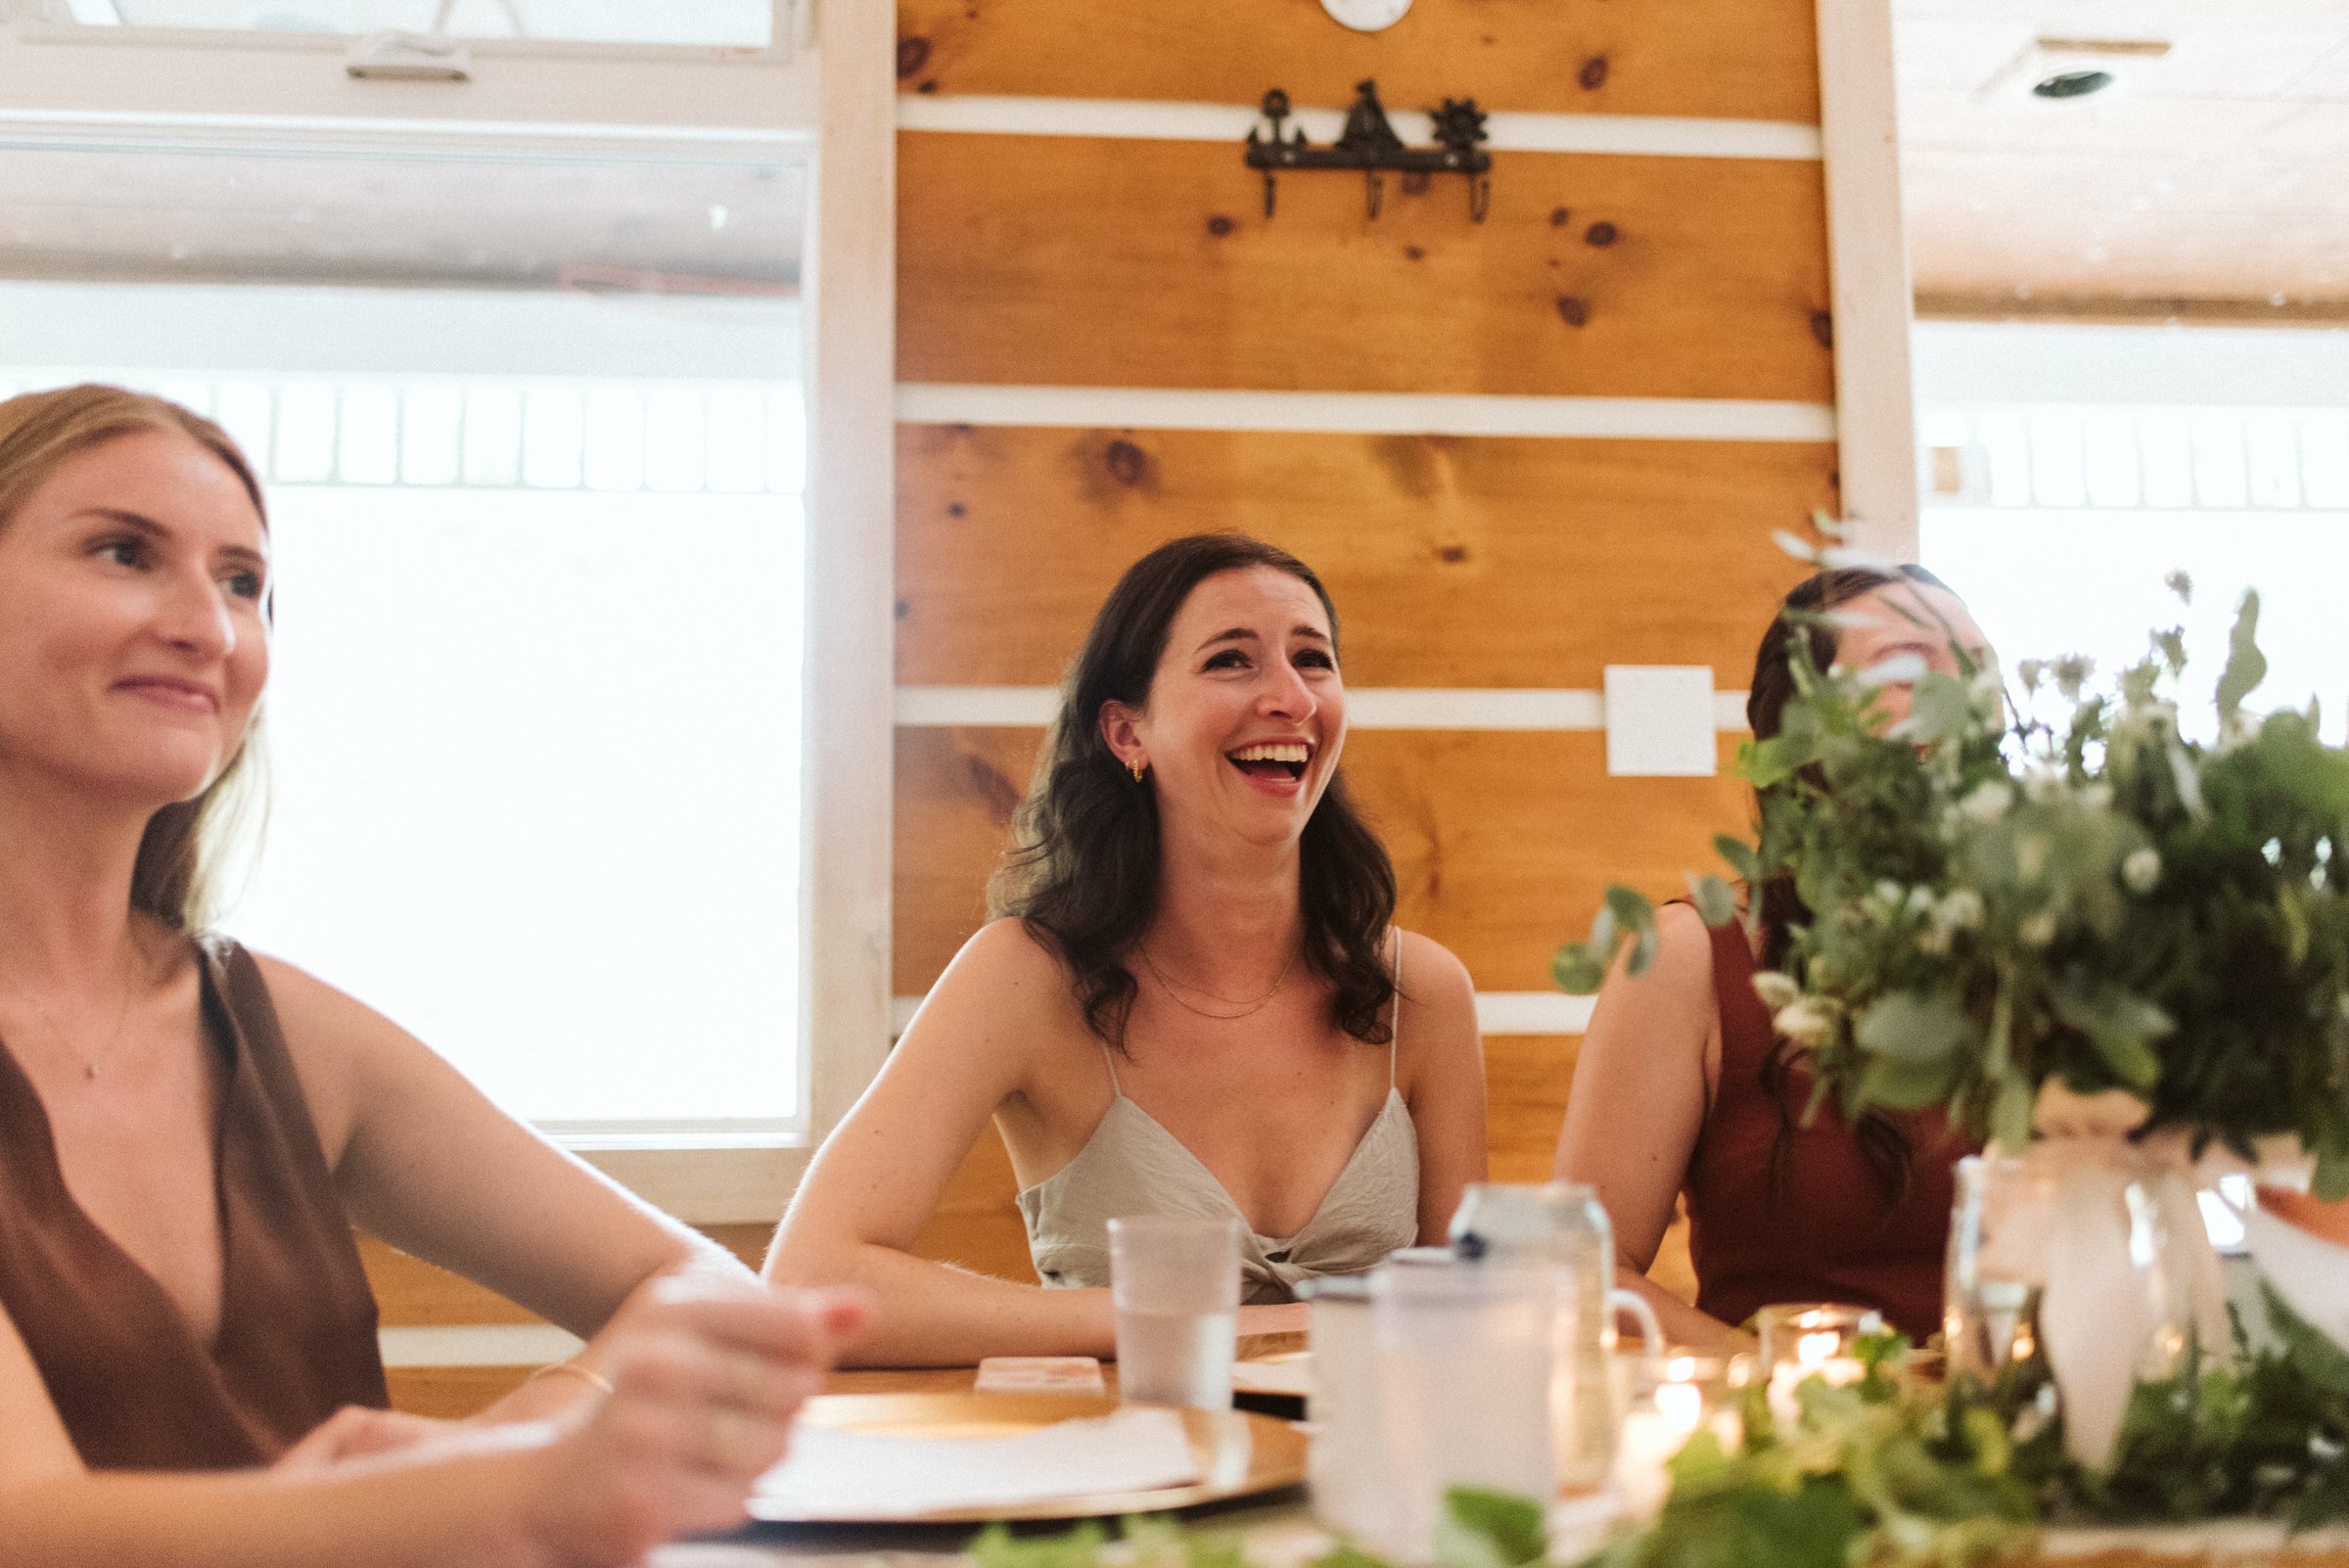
(533, 718)
(2137, 451)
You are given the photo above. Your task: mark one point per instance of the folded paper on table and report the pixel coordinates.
(837, 1473)
(1291, 1375)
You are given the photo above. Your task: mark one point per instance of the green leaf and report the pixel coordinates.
(1576, 970)
(2121, 1024)
(1938, 708)
(1486, 1529)
(2331, 1182)
(2011, 1114)
(2246, 666)
(1905, 1084)
(1914, 1028)
(1716, 904)
(1769, 762)
(1632, 909)
(2313, 1355)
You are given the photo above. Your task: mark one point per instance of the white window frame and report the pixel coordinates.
(833, 105)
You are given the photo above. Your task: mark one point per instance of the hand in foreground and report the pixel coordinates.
(706, 1377)
(358, 1432)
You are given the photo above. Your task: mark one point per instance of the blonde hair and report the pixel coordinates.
(176, 878)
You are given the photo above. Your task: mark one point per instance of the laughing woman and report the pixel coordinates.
(188, 1131)
(1195, 1002)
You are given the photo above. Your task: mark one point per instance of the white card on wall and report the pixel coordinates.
(1660, 721)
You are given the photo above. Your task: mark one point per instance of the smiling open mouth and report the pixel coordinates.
(1286, 760)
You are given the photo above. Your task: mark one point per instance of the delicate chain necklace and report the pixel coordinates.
(89, 1064)
(1176, 987)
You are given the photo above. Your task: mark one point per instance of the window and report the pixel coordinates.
(535, 720)
(2068, 469)
(731, 24)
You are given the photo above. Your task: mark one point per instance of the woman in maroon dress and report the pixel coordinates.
(1683, 1087)
(188, 1131)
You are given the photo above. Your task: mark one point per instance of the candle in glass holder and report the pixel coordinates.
(1687, 1393)
(1801, 1340)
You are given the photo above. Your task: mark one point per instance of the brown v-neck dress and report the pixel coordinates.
(136, 1388)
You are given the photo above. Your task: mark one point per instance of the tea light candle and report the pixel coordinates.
(1690, 1394)
(1806, 1340)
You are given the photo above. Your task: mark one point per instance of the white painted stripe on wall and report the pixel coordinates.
(1532, 1012)
(1505, 131)
(1723, 419)
(1498, 1012)
(1366, 707)
(478, 1345)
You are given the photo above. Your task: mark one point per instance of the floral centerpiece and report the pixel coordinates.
(2100, 943)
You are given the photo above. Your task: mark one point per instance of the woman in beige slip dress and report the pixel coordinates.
(1193, 904)
(1133, 1165)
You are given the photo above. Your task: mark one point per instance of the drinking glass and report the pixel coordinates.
(1997, 1265)
(1175, 1282)
(1465, 1356)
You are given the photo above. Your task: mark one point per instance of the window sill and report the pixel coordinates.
(703, 1178)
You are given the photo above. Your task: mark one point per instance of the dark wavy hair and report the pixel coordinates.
(1881, 1142)
(1083, 871)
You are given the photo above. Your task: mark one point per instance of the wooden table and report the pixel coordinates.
(1282, 1533)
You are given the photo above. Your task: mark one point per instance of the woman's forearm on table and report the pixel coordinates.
(1682, 1324)
(426, 1514)
(930, 1314)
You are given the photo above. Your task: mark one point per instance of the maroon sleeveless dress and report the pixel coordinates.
(135, 1387)
(1827, 1231)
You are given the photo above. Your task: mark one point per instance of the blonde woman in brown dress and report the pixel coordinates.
(188, 1363)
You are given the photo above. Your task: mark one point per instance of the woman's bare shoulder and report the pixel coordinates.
(1432, 975)
(1007, 954)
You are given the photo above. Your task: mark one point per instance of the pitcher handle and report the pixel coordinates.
(1651, 1332)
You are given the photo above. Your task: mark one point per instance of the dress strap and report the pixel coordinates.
(1109, 1059)
(1395, 1019)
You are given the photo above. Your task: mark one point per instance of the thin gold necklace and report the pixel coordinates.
(1176, 987)
(89, 1064)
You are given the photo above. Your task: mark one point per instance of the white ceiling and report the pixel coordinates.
(2214, 180)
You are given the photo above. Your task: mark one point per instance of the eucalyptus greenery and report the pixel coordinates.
(1890, 1472)
(2008, 887)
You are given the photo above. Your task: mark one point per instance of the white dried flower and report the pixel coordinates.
(1986, 802)
(1776, 990)
(2071, 672)
(1888, 893)
(1804, 1022)
(1960, 911)
(2043, 785)
(2030, 672)
(2179, 584)
(1920, 901)
(2141, 870)
(2038, 929)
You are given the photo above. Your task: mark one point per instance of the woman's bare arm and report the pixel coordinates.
(879, 1176)
(707, 1376)
(1641, 1086)
(1443, 1073)
(425, 1161)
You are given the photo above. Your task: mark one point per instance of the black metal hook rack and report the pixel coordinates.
(1369, 143)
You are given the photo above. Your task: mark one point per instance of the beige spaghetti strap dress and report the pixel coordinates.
(1133, 1165)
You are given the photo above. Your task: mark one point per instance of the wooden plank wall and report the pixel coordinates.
(1647, 293)
(1139, 262)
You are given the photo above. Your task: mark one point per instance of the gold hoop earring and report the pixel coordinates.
(1135, 768)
